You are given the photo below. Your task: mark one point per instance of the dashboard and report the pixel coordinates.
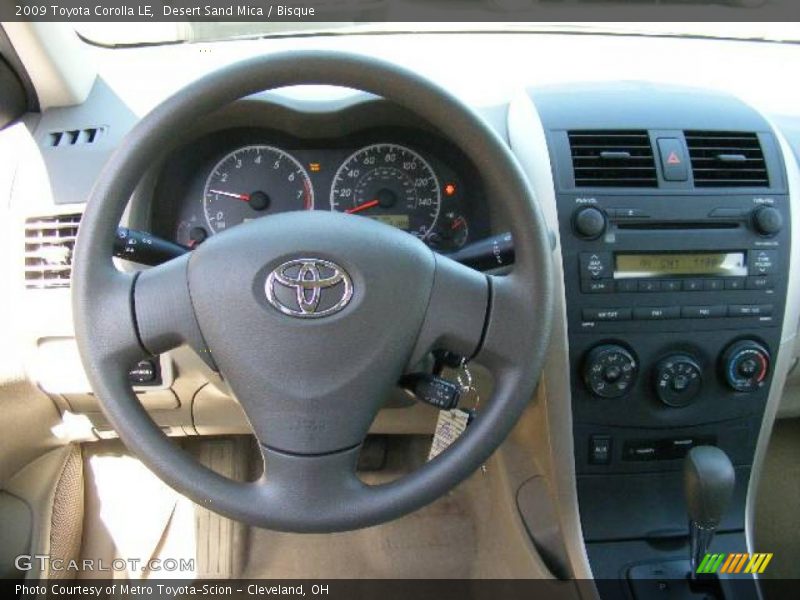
(404, 177)
(667, 282)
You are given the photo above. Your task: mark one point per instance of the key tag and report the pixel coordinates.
(468, 389)
(452, 423)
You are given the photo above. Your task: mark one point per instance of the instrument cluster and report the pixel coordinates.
(405, 178)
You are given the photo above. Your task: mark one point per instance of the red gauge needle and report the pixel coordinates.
(457, 223)
(242, 197)
(361, 207)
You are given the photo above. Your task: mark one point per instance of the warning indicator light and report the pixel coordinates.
(450, 189)
(673, 159)
(314, 167)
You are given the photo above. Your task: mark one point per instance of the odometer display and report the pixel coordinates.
(389, 183)
(252, 182)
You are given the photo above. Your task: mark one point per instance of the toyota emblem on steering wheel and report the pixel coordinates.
(309, 288)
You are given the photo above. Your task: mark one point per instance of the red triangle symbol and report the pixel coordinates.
(673, 159)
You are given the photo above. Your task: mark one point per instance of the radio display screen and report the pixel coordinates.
(719, 264)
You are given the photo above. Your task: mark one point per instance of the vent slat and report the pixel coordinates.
(710, 153)
(74, 137)
(593, 169)
(49, 243)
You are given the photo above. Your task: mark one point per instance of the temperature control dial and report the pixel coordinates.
(745, 365)
(678, 380)
(609, 371)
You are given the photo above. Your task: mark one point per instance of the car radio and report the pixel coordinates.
(687, 262)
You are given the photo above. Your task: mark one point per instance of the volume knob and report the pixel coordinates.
(589, 222)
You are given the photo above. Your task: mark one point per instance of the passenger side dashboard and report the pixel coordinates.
(674, 220)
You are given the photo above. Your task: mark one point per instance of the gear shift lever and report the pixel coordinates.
(708, 479)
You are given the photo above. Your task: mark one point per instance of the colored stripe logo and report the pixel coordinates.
(735, 563)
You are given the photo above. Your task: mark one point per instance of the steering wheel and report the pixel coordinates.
(312, 317)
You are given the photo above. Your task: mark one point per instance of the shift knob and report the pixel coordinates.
(708, 479)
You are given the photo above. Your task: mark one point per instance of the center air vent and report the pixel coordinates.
(49, 242)
(726, 159)
(612, 159)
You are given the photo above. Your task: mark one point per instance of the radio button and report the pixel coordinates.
(703, 312)
(656, 313)
(648, 285)
(692, 285)
(605, 286)
(734, 284)
(762, 262)
(713, 285)
(671, 285)
(595, 265)
(627, 285)
(750, 310)
(606, 314)
(759, 283)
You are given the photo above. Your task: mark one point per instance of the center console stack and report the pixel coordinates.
(674, 225)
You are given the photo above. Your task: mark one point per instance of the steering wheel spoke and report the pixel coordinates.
(456, 311)
(113, 326)
(512, 323)
(310, 486)
(163, 309)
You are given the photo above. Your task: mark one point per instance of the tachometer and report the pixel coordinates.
(389, 183)
(254, 181)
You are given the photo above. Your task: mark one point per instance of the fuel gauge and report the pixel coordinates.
(190, 233)
(451, 232)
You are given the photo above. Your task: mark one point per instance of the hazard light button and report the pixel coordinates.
(673, 159)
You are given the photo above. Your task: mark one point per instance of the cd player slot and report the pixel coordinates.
(677, 225)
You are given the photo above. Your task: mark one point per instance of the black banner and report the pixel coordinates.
(399, 10)
(736, 586)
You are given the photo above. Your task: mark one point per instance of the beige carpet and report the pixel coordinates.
(777, 516)
(472, 532)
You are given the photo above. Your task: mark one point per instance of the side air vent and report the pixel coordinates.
(612, 159)
(49, 242)
(74, 137)
(726, 159)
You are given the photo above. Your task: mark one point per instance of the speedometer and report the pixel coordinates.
(389, 183)
(254, 181)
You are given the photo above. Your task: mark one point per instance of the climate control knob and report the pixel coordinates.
(678, 380)
(609, 371)
(745, 365)
(589, 222)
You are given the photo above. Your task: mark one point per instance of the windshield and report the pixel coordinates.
(126, 34)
